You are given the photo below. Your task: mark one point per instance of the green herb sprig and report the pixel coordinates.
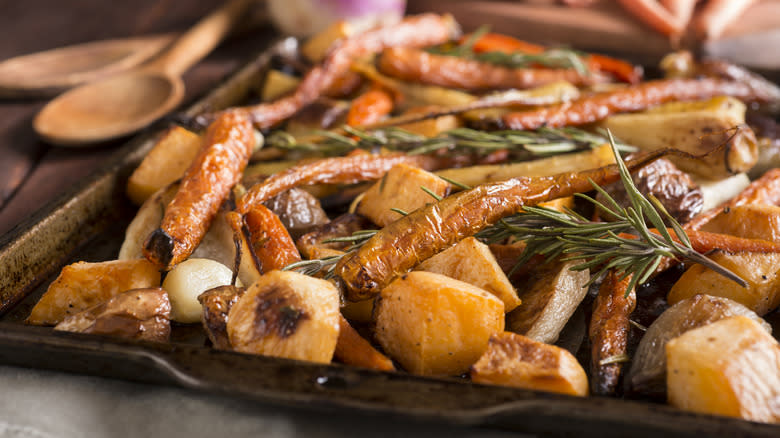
(328, 264)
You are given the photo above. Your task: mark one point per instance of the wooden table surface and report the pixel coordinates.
(32, 172)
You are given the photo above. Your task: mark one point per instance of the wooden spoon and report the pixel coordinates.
(120, 105)
(48, 73)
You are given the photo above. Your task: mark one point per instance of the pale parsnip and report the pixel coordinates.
(718, 191)
(189, 279)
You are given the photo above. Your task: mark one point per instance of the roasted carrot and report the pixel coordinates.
(622, 70)
(340, 170)
(403, 244)
(415, 31)
(599, 106)
(352, 349)
(705, 241)
(370, 107)
(608, 332)
(651, 13)
(449, 71)
(225, 151)
(269, 240)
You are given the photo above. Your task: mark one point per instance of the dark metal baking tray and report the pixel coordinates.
(87, 223)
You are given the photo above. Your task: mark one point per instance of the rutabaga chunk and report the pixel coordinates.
(287, 314)
(436, 325)
(401, 188)
(515, 360)
(189, 279)
(648, 365)
(135, 314)
(472, 262)
(730, 367)
(553, 294)
(83, 285)
(759, 270)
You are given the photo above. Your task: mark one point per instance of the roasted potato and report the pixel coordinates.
(753, 221)
(515, 360)
(730, 367)
(436, 325)
(83, 285)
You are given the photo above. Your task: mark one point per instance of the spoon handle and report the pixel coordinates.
(199, 41)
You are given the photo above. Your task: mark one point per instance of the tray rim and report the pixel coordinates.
(529, 412)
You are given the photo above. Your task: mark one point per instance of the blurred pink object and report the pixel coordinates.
(305, 17)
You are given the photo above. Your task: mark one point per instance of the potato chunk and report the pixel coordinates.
(164, 164)
(553, 294)
(436, 325)
(83, 285)
(730, 367)
(515, 360)
(286, 314)
(752, 221)
(401, 188)
(135, 314)
(472, 262)
(759, 270)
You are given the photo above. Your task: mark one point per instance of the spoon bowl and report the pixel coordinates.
(109, 108)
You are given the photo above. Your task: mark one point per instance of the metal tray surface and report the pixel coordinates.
(87, 223)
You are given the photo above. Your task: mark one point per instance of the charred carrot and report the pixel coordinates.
(608, 332)
(352, 349)
(453, 72)
(705, 241)
(599, 106)
(269, 240)
(370, 107)
(224, 154)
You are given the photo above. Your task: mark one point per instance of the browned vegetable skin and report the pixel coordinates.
(342, 226)
(448, 71)
(352, 349)
(599, 106)
(341, 170)
(609, 328)
(415, 31)
(406, 242)
(224, 154)
(216, 308)
(269, 240)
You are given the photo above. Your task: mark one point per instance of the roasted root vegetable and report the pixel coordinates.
(286, 314)
(165, 163)
(515, 360)
(436, 325)
(352, 349)
(370, 107)
(453, 72)
(342, 226)
(188, 280)
(403, 187)
(730, 367)
(298, 210)
(608, 332)
(753, 221)
(760, 270)
(83, 285)
(217, 303)
(552, 295)
(135, 314)
(472, 262)
(271, 244)
(597, 107)
(223, 155)
(648, 364)
(695, 127)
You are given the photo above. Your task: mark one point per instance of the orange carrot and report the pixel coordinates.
(705, 241)
(270, 241)
(370, 107)
(352, 349)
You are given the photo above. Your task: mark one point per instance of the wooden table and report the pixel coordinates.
(32, 172)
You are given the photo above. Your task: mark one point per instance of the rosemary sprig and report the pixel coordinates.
(328, 264)
(604, 245)
(524, 144)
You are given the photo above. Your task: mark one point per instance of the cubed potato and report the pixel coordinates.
(286, 314)
(695, 127)
(759, 270)
(476, 175)
(400, 188)
(753, 221)
(316, 47)
(277, 84)
(83, 285)
(436, 325)
(554, 291)
(135, 314)
(730, 367)
(515, 360)
(472, 262)
(164, 164)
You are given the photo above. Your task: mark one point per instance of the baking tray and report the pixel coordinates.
(87, 223)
